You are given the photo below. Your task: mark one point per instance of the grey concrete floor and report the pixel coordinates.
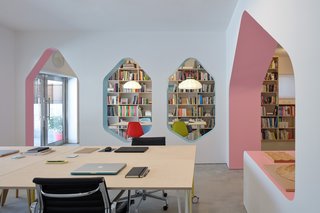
(220, 191)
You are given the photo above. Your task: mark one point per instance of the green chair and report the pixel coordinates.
(180, 128)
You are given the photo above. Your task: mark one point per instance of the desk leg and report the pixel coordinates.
(178, 200)
(31, 196)
(188, 203)
(4, 196)
(129, 201)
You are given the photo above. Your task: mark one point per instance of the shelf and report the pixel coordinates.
(279, 141)
(271, 84)
(126, 104)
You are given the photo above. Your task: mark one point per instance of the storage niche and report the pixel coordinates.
(193, 109)
(120, 105)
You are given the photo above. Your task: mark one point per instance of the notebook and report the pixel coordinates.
(7, 152)
(38, 149)
(131, 149)
(137, 172)
(99, 169)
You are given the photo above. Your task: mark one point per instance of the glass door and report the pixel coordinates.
(49, 110)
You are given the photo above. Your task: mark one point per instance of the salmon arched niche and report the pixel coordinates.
(254, 51)
(52, 62)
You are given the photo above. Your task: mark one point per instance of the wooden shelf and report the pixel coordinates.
(192, 104)
(270, 93)
(125, 104)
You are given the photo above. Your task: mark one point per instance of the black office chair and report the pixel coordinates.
(81, 195)
(150, 141)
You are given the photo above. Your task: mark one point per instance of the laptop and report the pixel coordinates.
(99, 169)
(8, 152)
(131, 149)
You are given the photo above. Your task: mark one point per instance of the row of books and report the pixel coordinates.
(188, 112)
(286, 110)
(112, 100)
(269, 88)
(114, 76)
(204, 76)
(268, 135)
(283, 124)
(125, 111)
(128, 75)
(287, 122)
(112, 111)
(268, 99)
(195, 100)
(113, 87)
(286, 135)
(271, 76)
(269, 122)
(269, 112)
(183, 75)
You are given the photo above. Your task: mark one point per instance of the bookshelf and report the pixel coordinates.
(195, 107)
(277, 115)
(125, 105)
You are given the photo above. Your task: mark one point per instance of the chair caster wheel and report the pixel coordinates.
(165, 194)
(165, 208)
(195, 199)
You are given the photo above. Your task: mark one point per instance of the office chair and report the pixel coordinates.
(134, 129)
(146, 128)
(69, 195)
(180, 128)
(150, 141)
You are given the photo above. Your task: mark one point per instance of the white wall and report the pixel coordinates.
(7, 87)
(93, 55)
(294, 24)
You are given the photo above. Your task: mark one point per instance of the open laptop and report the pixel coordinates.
(131, 149)
(8, 152)
(99, 169)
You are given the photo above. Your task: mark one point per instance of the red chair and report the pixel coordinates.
(134, 130)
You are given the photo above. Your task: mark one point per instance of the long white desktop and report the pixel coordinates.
(171, 167)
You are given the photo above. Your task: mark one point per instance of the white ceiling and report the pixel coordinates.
(116, 15)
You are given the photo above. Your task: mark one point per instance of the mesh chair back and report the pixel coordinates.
(149, 141)
(69, 195)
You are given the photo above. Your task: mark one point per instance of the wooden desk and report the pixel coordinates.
(171, 167)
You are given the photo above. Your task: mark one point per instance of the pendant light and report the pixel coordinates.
(132, 85)
(190, 83)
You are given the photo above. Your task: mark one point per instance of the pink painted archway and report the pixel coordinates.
(254, 52)
(29, 92)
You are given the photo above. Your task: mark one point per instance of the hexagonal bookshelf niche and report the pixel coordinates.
(191, 101)
(127, 103)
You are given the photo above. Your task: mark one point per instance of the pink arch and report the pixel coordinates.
(254, 52)
(30, 93)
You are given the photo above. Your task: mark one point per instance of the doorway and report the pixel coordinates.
(50, 110)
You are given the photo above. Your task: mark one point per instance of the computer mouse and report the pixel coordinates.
(108, 149)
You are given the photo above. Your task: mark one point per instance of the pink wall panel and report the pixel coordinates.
(254, 51)
(30, 94)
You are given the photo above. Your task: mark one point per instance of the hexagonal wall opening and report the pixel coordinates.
(191, 110)
(127, 110)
